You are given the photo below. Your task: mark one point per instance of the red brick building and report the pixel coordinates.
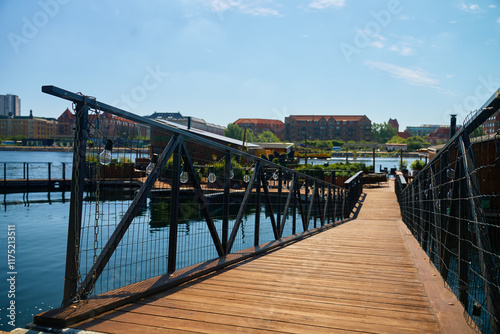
(492, 124)
(66, 123)
(394, 123)
(259, 125)
(109, 125)
(327, 127)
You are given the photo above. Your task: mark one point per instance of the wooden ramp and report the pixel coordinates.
(359, 277)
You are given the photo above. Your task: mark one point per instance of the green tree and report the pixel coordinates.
(234, 131)
(337, 142)
(237, 132)
(268, 137)
(382, 132)
(397, 140)
(478, 132)
(18, 137)
(416, 142)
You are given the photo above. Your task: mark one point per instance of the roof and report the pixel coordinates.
(326, 117)
(258, 121)
(274, 145)
(207, 134)
(166, 115)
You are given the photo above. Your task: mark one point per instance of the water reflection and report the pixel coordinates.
(28, 198)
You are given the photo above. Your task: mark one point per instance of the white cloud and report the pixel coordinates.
(470, 8)
(377, 44)
(492, 6)
(261, 12)
(251, 7)
(402, 50)
(320, 4)
(498, 20)
(412, 77)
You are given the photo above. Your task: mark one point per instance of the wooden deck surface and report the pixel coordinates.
(360, 277)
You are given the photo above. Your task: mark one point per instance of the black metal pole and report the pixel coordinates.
(75, 211)
(174, 211)
(258, 185)
(64, 175)
(50, 176)
(227, 189)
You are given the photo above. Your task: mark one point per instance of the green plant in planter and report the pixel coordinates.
(417, 165)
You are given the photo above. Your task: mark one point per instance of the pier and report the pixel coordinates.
(366, 275)
(248, 245)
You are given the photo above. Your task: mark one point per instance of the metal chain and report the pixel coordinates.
(97, 212)
(97, 201)
(78, 149)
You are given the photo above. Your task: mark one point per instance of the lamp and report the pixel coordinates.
(152, 163)
(246, 177)
(105, 155)
(184, 176)
(211, 175)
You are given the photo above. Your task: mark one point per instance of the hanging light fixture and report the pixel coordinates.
(231, 174)
(450, 172)
(211, 175)
(152, 163)
(184, 177)
(246, 177)
(105, 155)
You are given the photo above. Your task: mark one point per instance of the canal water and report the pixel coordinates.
(39, 222)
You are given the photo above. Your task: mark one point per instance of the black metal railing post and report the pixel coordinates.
(226, 198)
(174, 211)
(49, 165)
(72, 272)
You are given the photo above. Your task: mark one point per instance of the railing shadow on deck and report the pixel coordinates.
(452, 208)
(203, 204)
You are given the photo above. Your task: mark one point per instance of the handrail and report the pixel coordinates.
(451, 207)
(141, 243)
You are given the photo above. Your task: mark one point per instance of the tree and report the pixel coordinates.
(18, 137)
(337, 142)
(382, 132)
(237, 132)
(234, 131)
(478, 132)
(397, 140)
(416, 142)
(268, 137)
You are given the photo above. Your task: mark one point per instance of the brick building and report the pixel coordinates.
(28, 126)
(259, 125)
(66, 123)
(394, 123)
(327, 127)
(492, 124)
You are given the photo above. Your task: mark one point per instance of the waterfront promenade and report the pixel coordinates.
(365, 276)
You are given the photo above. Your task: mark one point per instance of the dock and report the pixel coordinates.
(367, 275)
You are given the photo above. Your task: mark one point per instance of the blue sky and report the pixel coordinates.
(417, 61)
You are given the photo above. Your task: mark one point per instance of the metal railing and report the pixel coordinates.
(452, 207)
(201, 198)
(33, 176)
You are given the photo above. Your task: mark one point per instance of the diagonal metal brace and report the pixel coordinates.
(122, 227)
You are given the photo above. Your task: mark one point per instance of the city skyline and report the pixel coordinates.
(221, 60)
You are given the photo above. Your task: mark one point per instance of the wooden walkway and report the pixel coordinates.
(365, 276)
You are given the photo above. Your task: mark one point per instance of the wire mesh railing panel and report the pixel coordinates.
(452, 207)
